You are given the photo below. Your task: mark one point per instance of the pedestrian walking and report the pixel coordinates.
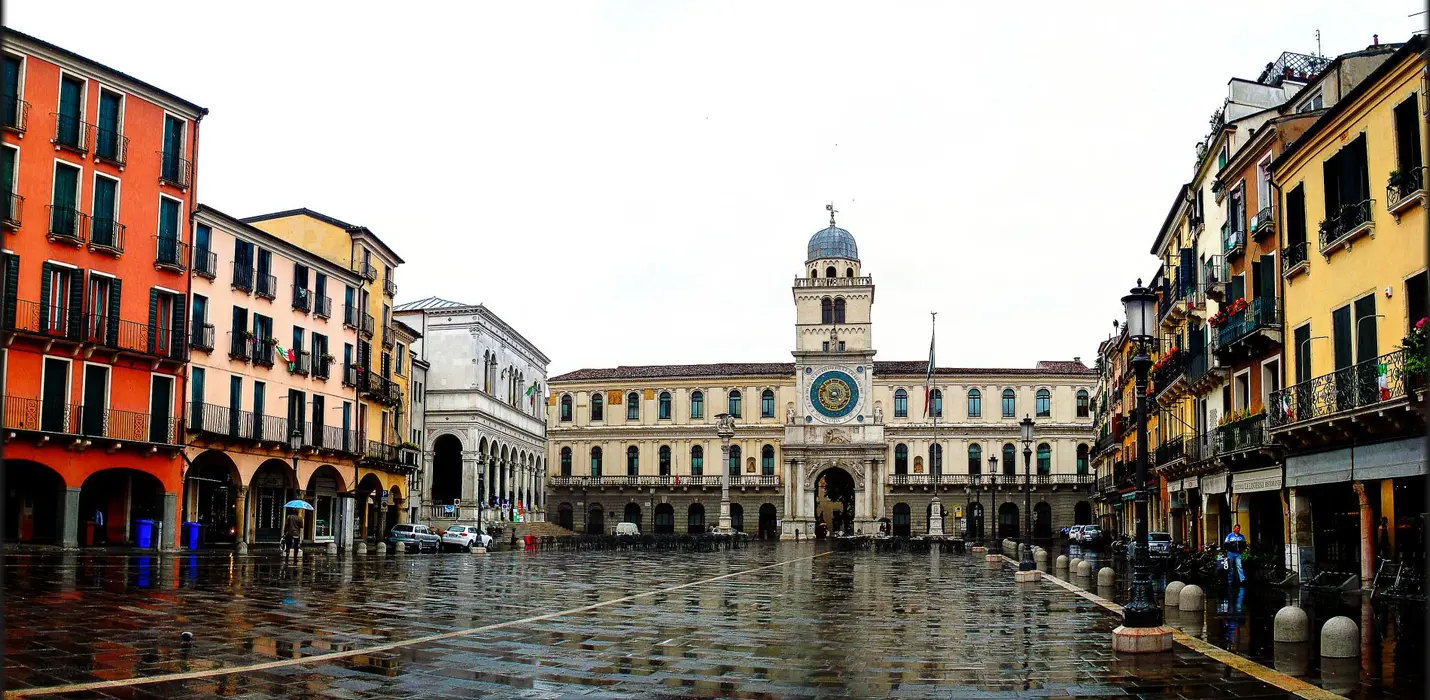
(293, 533)
(1234, 545)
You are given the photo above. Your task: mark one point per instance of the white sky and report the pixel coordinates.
(635, 183)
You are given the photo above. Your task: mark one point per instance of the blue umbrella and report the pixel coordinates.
(296, 503)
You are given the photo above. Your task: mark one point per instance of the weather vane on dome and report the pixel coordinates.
(832, 211)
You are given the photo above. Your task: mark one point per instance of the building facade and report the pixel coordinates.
(483, 439)
(835, 441)
(99, 171)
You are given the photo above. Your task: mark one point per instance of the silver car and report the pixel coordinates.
(465, 537)
(413, 538)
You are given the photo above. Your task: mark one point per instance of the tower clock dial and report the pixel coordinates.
(834, 394)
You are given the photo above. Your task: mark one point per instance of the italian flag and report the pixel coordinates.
(1381, 370)
(928, 381)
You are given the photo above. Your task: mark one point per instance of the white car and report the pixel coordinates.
(465, 537)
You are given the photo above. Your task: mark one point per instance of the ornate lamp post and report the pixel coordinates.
(1025, 563)
(1141, 629)
(978, 497)
(725, 428)
(295, 443)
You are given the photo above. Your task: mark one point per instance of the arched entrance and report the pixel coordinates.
(769, 522)
(1008, 521)
(902, 526)
(737, 517)
(833, 503)
(369, 509)
(211, 497)
(565, 516)
(271, 487)
(975, 522)
(392, 510)
(446, 470)
(122, 497)
(695, 519)
(1042, 520)
(632, 514)
(595, 521)
(664, 519)
(1082, 513)
(32, 502)
(323, 489)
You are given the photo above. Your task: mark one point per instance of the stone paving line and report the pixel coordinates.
(1287, 683)
(380, 648)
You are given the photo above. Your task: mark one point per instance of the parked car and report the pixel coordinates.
(1090, 534)
(465, 537)
(1159, 546)
(418, 538)
(1074, 533)
(629, 529)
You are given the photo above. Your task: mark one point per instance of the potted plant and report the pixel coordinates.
(1414, 349)
(270, 341)
(325, 357)
(248, 335)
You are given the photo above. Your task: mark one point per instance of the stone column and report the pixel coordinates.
(1367, 535)
(173, 537)
(69, 517)
(241, 501)
(347, 503)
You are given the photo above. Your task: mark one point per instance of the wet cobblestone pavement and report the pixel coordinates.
(838, 624)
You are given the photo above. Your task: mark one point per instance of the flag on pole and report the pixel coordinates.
(928, 383)
(1382, 370)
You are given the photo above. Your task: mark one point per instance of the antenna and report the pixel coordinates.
(1318, 45)
(832, 212)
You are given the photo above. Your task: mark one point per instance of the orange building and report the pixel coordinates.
(99, 172)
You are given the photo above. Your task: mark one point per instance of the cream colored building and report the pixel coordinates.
(639, 444)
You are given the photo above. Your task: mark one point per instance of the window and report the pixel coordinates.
(1044, 403)
(767, 404)
(103, 307)
(1313, 102)
(1347, 181)
(825, 347)
(826, 310)
(767, 460)
(1045, 459)
(104, 231)
(566, 408)
(901, 404)
(697, 405)
(64, 212)
(1263, 185)
(170, 167)
(1296, 224)
(597, 406)
(1407, 145)
(1302, 346)
(633, 406)
(975, 403)
(841, 346)
(664, 460)
(10, 92)
(1083, 406)
(69, 125)
(901, 459)
(1416, 289)
(565, 461)
(633, 461)
(935, 458)
(734, 403)
(1082, 459)
(663, 406)
(734, 467)
(1010, 459)
(839, 310)
(595, 461)
(975, 459)
(170, 234)
(831, 272)
(400, 353)
(697, 460)
(1010, 404)
(937, 403)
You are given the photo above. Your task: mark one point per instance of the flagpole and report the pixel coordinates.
(938, 451)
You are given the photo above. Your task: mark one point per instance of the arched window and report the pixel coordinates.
(1010, 404)
(937, 403)
(697, 405)
(1010, 459)
(663, 406)
(901, 404)
(697, 460)
(839, 310)
(830, 272)
(1082, 459)
(767, 404)
(1044, 403)
(901, 459)
(598, 404)
(1045, 458)
(734, 467)
(565, 461)
(734, 403)
(975, 403)
(665, 460)
(848, 272)
(595, 461)
(695, 519)
(813, 273)
(826, 310)
(975, 459)
(935, 458)
(633, 406)
(1083, 407)
(767, 460)
(566, 407)
(633, 461)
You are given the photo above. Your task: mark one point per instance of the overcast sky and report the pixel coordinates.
(635, 183)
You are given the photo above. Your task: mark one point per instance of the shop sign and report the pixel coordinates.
(1259, 480)
(1214, 484)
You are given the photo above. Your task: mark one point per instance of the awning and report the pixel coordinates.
(1385, 460)
(1214, 484)
(1268, 479)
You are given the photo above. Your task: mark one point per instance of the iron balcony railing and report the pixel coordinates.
(1357, 386)
(1350, 220)
(1199, 448)
(1263, 223)
(1292, 66)
(270, 428)
(14, 114)
(807, 282)
(240, 346)
(67, 224)
(242, 277)
(263, 353)
(267, 287)
(106, 235)
(71, 133)
(381, 452)
(201, 337)
(672, 480)
(1293, 256)
(387, 339)
(368, 271)
(302, 363)
(389, 287)
(111, 146)
(133, 336)
(1233, 240)
(368, 324)
(223, 421)
(322, 366)
(378, 388)
(349, 375)
(175, 169)
(170, 254)
(302, 299)
(12, 204)
(322, 307)
(1262, 313)
(1247, 434)
(23, 413)
(1198, 364)
(205, 263)
(1404, 186)
(350, 318)
(1171, 450)
(1167, 375)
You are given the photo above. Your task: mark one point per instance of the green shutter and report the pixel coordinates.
(76, 306)
(12, 289)
(46, 271)
(176, 331)
(111, 334)
(153, 318)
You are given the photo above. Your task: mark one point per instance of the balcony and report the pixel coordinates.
(349, 375)
(67, 225)
(240, 347)
(106, 235)
(667, 480)
(134, 337)
(380, 452)
(205, 263)
(327, 437)
(1263, 224)
(266, 287)
(170, 254)
(242, 277)
(350, 316)
(71, 134)
(322, 366)
(1293, 259)
(389, 287)
(263, 353)
(174, 170)
(1171, 450)
(1405, 190)
(1244, 327)
(1351, 222)
(387, 340)
(368, 324)
(201, 337)
(813, 282)
(302, 299)
(1169, 377)
(10, 217)
(323, 307)
(14, 114)
(218, 421)
(377, 388)
(302, 364)
(366, 270)
(1372, 384)
(1215, 278)
(95, 422)
(1233, 240)
(50, 322)
(1243, 436)
(111, 147)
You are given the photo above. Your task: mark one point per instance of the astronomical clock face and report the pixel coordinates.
(834, 394)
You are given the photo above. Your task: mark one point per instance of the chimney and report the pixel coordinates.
(1077, 359)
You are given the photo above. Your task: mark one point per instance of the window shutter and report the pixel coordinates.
(176, 331)
(76, 305)
(1330, 174)
(111, 333)
(153, 318)
(12, 289)
(46, 272)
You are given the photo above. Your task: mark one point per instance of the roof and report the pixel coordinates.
(1407, 50)
(96, 64)
(301, 211)
(429, 304)
(1171, 218)
(912, 368)
(288, 248)
(832, 242)
(409, 329)
(1335, 65)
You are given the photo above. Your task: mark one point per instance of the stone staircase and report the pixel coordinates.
(543, 529)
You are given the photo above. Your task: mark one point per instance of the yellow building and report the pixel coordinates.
(1354, 269)
(376, 367)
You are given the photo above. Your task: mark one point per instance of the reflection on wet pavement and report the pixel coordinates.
(842, 624)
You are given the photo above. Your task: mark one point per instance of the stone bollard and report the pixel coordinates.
(362, 548)
(1172, 594)
(1292, 625)
(1105, 576)
(1191, 599)
(1040, 557)
(1061, 564)
(1340, 638)
(242, 548)
(399, 550)
(382, 548)
(1072, 564)
(1292, 659)
(1084, 569)
(332, 548)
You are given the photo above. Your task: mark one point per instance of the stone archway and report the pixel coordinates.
(324, 487)
(211, 497)
(446, 470)
(834, 510)
(1042, 520)
(664, 519)
(565, 516)
(1082, 513)
(369, 509)
(123, 497)
(901, 524)
(1008, 521)
(34, 500)
(269, 488)
(769, 518)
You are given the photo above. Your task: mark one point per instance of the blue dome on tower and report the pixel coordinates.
(833, 242)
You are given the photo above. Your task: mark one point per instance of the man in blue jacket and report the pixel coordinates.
(1234, 545)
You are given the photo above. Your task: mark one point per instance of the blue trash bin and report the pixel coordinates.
(191, 534)
(144, 533)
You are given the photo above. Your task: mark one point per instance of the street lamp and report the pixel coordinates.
(295, 443)
(978, 495)
(1026, 425)
(1141, 611)
(725, 428)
